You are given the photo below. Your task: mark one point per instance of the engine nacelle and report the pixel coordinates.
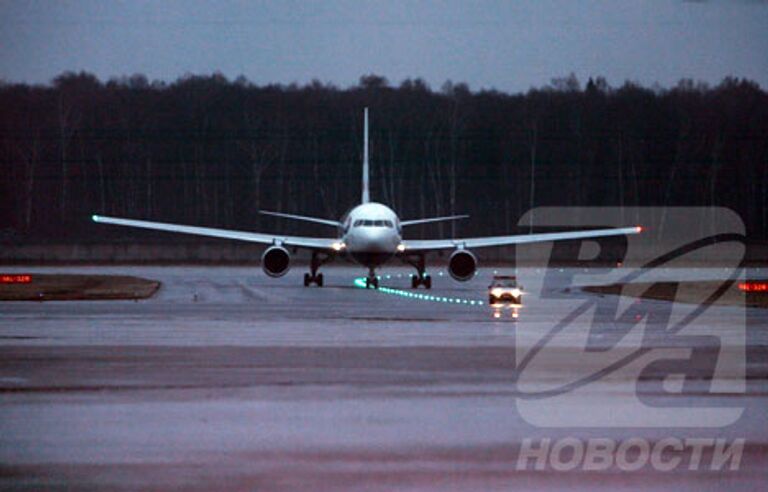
(462, 265)
(275, 261)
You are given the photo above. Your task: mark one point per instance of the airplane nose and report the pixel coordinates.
(377, 241)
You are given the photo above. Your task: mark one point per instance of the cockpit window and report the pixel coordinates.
(373, 223)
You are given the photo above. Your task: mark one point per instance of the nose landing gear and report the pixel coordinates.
(371, 281)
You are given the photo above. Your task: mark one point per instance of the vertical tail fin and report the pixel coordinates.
(366, 195)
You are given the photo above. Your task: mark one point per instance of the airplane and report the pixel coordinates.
(370, 234)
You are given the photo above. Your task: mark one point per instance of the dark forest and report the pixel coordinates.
(208, 151)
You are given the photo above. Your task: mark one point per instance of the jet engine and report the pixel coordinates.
(462, 265)
(275, 261)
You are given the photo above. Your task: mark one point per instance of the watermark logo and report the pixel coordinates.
(657, 356)
(632, 454)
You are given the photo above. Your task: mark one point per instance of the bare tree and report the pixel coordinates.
(67, 121)
(533, 138)
(30, 156)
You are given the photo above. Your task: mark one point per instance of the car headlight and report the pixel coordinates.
(496, 292)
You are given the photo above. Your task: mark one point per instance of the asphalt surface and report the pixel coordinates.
(230, 380)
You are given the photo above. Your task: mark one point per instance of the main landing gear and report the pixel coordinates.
(421, 278)
(313, 277)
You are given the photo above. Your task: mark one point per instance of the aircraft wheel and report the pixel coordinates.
(319, 280)
(427, 282)
(414, 282)
(307, 280)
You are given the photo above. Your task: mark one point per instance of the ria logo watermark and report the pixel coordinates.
(607, 361)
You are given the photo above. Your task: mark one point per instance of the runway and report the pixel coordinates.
(231, 380)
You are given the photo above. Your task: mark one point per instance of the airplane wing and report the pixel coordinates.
(253, 237)
(334, 223)
(432, 219)
(424, 245)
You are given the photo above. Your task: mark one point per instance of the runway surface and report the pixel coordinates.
(230, 380)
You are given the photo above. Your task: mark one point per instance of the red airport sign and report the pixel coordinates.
(753, 286)
(15, 278)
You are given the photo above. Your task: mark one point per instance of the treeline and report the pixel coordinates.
(208, 151)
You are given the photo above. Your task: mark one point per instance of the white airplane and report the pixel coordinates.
(371, 234)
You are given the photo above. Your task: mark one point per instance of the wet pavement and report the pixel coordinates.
(231, 380)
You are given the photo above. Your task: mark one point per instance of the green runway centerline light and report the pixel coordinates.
(359, 282)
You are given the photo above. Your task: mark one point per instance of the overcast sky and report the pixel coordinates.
(507, 45)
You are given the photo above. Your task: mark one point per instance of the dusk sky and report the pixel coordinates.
(507, 45)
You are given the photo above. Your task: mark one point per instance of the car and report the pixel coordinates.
(504, 291)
